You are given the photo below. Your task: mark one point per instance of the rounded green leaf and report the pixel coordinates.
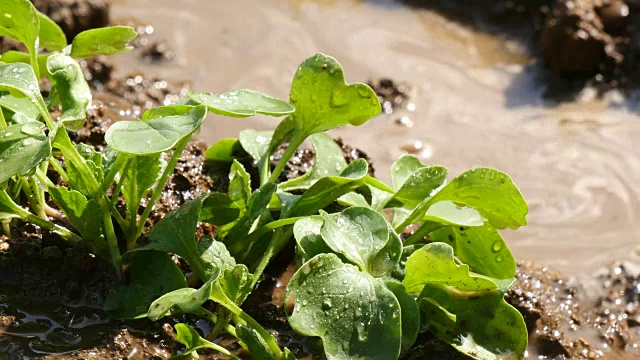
(181, 301)
(225, 150)
(355, 314)
(489, 191)
(242, 103)
(446, 212)
(156, 134)
(103, 41)
(22, 148)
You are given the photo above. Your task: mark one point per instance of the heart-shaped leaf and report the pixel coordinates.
(75, 96)
(159, 133)
(51, 36)
(242, 103)
(324, 101)
(356, 316)
(103, 41)
(22, 148)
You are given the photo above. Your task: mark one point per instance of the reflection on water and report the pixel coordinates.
(476, 104)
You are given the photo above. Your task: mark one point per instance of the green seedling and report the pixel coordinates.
(358, 287)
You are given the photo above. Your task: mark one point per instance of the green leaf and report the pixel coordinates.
(218, 209)
(181, 301)
(307, 234)
(51, 35)
(153, 274)
(256, 345)
(22, 148)
(215, 256)
(103, 41)
(485, 328)
(20, 57)
(434, 264)
(84, 215)
(239, 193)
(402, 169)
(176, 233)
(329, 161)
(225, 150)
(236, 282)
(19, 21)
(463, 306)
(446, 212)
(192, 340)
(418, 186)
(489, 191)
(482, 248)
(256, 143)
(80, 181)
(22, 108)
(159, 133)
(242, 103)
(409, 314)
(323, 101)
(19, 78)
(237, 241)
(141, 174)
(75, 95)
(362, 236)
(356, 316)
(326, 190)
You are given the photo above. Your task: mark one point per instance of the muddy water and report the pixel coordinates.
(476, 103)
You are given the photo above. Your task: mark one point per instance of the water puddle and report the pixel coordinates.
(476, 103)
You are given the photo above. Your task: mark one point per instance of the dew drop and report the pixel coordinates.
(326, 304)
(306, 270)
(29, 142)
(499, 258)
(497, 246)
(30, 129)
(362, 332)
(304, 302)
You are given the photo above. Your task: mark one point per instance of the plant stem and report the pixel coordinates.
(3, 122)
(268, 338)
(214, 319)
(14, 208)
(115, 167)
(422, 231)
(288, 153)
(59, 169)
(157, 192)
(29, 186)
(6, 227)
(278, 241)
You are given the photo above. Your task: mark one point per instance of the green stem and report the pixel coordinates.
(3, 122)
(59, 169)
(30, 187)
(214, 319)
(288, 153)
(268, 338)
(157, 192)
(14, 208)
(44, 179)
(6, 227)
(276, 244)
(115, 167)
(424, 230)
(416, 214)
(33, 56)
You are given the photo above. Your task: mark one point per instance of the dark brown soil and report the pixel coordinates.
(75, 16)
